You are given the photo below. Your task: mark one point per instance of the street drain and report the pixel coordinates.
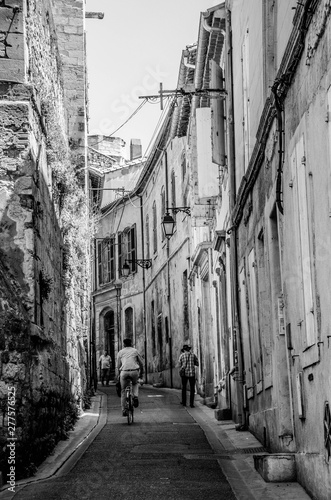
(184, 423)
(252, 450)
(191, 456)
(240, 451)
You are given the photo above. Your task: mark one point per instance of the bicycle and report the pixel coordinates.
(129, 403)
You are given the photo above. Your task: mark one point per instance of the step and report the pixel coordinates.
(277, 467)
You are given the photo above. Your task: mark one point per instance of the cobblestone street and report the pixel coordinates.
(170, 452)
(163, 455)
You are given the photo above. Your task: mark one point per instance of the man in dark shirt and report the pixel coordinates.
(188, 361)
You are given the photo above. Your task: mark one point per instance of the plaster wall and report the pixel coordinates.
(160, 332)
(247, 30)
(308, 100)
(202, 294)
(285, 12)
(122, 292)
(286, 410)
(165, 283)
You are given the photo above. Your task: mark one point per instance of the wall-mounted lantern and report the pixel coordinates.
(168, 222)
(145, 263)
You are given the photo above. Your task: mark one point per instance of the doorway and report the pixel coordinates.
(109, 338)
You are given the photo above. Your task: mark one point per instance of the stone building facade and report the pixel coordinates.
(242, 162)
(44, 277)
(168, 299)
(281, 96)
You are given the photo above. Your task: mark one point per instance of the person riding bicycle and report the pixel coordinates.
(130, 367)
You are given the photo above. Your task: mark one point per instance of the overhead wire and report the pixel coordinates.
(156, 130)
(169, 102)
(162, 116)
(124, 123)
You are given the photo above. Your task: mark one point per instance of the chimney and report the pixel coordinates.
(135, 149)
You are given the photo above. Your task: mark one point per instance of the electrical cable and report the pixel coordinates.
(124, 123)
(158, 125)
(162, 116)
(156, 130)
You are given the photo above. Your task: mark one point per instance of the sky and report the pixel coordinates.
(137, 45)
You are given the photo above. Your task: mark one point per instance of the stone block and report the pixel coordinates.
(276, 468)
(223, 414)
(12, 69)
(23, 184)
(14, 3)
(9, 19)
(73, 30)
(15, 47)
(75, 21)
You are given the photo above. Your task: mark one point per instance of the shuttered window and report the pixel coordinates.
(299, 171)
(132, 253)
(147, 237)
(246, 100)
(106, 260)
(154, 228)
(253, 316)
(245, 329)
(163, 208)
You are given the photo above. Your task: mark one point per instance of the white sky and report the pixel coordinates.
(136, 46)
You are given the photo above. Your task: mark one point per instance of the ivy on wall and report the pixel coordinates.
(45, 361)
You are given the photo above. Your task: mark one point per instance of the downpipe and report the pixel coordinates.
(242, 423)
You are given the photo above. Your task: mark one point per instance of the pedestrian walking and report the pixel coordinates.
(130, 368)
(105, 362)
(187, 363)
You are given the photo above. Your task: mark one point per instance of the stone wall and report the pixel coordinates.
(44, 284)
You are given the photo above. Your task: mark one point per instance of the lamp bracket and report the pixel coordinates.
(184, 92)
(145, 263)
(186, 210)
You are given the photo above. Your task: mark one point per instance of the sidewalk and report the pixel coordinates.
(68, 452)
(234, 450)
(237, 449)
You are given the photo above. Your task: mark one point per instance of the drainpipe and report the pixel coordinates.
(118, 313)
(185, 60)
(144, 282)
(168, 271)
(280, 148)
(209, 28)
(233, 232)
(93, 361)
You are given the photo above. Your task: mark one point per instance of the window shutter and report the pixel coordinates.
(100, 262)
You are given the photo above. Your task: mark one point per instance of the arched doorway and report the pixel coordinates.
(128, 318)
(109, 333)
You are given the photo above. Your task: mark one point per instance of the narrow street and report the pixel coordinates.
(169, 452)
(163, 455)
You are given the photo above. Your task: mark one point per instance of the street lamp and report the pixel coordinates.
(168, 222)
(145, 263)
